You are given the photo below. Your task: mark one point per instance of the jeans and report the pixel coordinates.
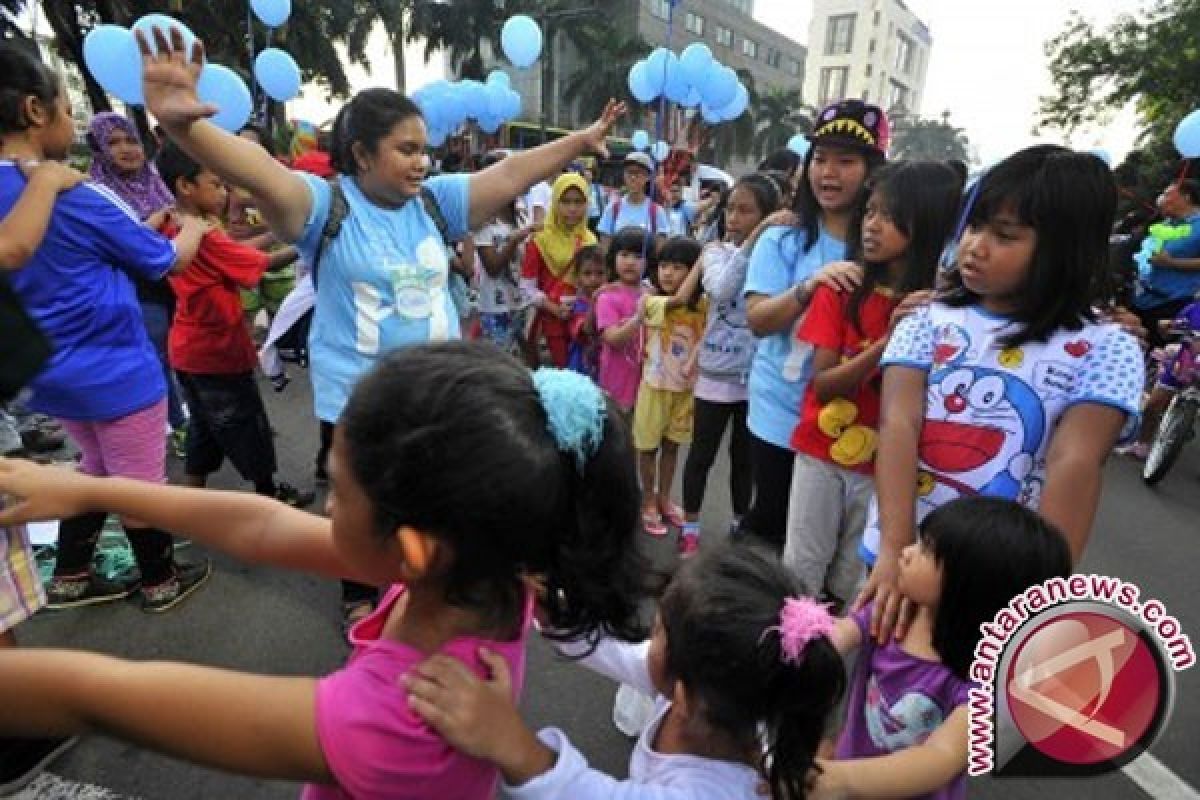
(157, 319)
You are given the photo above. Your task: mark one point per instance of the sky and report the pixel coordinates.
(988, 68)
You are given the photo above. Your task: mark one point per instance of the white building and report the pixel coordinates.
(875, 50)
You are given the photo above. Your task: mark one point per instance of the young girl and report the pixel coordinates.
(500, 245)
(629, 255)
(436, 447)
(744, 677)
(547, 275)
(725, 354)
(662, 418)
(1007, 387)
(910, 214)
(584, 353)
(906, 725)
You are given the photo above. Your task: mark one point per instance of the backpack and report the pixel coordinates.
(654, 207)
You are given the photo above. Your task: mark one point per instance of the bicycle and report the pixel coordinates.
(1178, 423)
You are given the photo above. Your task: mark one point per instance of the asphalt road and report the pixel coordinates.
(264, 620)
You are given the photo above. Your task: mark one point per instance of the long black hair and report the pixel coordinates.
(809, 210)
(721, 614)
(990, 550)
(368, 118)
(679, 250)
(452, 439)
(1070, 200)
(632, 239)
(922, 199)
(23, 75)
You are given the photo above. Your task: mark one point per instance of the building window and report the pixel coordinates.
(695, 24)
(866, 95)
(877, 13)
(839, 34)
(870, 69)
(871, 48)
(793, 67)
(774, 57)
(904, 54)
(724, 35)
(749, 48)
(661, 8)
(898, 96)
(833, 84)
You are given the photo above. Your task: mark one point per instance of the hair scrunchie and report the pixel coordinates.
(575, 411)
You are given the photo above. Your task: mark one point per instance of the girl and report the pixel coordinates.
(662, 419)
(909, 216)
(500, 245)
(547, 274)
(629, 255)
(104, 380)
(786, 266)
(589, 265)
(416, 505)
(974, 555)
(725, 355)
(1007, 387)
(744, 677)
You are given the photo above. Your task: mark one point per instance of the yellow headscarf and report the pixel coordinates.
(557, 241)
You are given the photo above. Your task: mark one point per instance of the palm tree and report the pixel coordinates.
(606, 55)
(779, 115)
(734, 140)
(461, 28)
(917, 138)
(393, 15)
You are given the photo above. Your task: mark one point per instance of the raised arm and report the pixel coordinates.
(497, 185)
(169, 82)
(23, 229)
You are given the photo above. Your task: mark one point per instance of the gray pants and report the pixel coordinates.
(827, 511)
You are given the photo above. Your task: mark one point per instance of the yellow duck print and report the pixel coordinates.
(925, 484)
(853, 444)
(1012, 358)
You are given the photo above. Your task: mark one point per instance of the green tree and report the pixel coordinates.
(602, 70)
(733, 141)
(779, 115)
(465, 29)
(916, 138)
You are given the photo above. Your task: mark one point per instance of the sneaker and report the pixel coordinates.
(40, 440)
(177, 442)
(1139, 451)
(173, 591)
(89, 590)
(291, 496)
(735, 525)
(689, 545)
(22, 760)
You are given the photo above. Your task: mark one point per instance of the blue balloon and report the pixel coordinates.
(710, 115)
(273, 13)
(1187, 135)
(799, 144)
(640, 85)
(512, 105)
(476, 95)
(222, 87)
(640, 140)
(149, 22)
(489, 124)
(436, 137)
(658, 68)
(720, 87)
(111, 55)
(677, 87)
(696, 61)
(499, 77)
(521, 39)
(661, 151)
(693, 99)
(738, 105)
(278, 74)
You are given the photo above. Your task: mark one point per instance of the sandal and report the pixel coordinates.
(674, 514)
(652, 523)
(354, 613)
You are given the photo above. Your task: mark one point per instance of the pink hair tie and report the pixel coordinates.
(801, 620)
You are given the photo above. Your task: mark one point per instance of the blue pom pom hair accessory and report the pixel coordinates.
(575, 411)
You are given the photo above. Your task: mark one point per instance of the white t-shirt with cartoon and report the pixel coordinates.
(990, 411)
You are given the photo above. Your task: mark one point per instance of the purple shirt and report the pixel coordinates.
(896, 701)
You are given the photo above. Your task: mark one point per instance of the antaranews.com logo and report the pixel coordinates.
(1074, 677)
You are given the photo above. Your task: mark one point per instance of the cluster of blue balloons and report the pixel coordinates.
(641, 141)
(446, 106)
(1187, 135)
(692, 79)
(799, 144)
(521, 40)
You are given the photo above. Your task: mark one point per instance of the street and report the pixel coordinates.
(261, 619)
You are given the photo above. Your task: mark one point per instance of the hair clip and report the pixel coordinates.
(575, 411)
(801, 619)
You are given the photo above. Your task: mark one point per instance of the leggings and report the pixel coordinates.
(711, 420)
(772, 466)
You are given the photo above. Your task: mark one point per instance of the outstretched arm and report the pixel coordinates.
(249, 724)
(249, 527)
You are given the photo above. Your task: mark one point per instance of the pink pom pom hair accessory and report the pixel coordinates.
(801, 620)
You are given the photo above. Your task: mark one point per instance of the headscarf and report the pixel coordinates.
(557, 241)
(144, 191)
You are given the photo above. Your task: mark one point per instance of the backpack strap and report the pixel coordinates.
(339, 209)
(429, 201)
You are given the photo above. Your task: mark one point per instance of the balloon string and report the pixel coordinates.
(1183, 171)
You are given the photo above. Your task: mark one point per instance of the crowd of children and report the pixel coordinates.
(909, 448)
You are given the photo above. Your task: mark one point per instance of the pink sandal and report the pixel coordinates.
(652, 523)
(674, 515)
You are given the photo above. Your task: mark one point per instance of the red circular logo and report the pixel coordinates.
(1085, 688)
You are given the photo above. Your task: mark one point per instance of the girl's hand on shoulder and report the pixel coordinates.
(1130, 323)
(41, 493)
(783, 216)
(909, 305)
(54, 173)
(841, 276)
(169, 79)
(892, 612)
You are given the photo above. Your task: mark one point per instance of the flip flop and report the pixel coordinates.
(674, 515)
(652, 523)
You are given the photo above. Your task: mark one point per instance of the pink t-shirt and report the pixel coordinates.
(620, 367)
(374, 745)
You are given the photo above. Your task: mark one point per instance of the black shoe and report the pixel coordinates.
(321, 477)
(290, 495)
(89, 590)
(22, 760)
(173, 591)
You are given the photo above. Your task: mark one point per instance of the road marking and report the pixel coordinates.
(1156, 780)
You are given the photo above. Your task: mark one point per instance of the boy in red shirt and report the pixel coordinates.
(209, 347)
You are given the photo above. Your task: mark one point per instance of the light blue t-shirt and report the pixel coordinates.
(382, 283)
(1175, 284)
(634, 215)
(782, 364)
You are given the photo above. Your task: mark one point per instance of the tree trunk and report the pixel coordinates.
(398, 58)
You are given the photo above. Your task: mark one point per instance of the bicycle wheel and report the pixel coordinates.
(1173, 433)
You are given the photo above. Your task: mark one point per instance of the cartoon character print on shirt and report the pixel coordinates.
(676, 353)
(852, 444)
(902, 724)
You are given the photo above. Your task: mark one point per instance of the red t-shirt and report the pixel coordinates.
(554, 287)
(209, 336)
(844, 431)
